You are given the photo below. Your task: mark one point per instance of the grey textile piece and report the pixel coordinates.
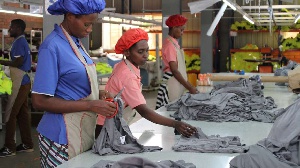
(283, 143)
(139, 162)
(200, 142)
(238, 101)
(116, 138)
(283, 71)
(257, 157)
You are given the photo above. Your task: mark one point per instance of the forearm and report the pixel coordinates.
(58, 105)
(154, 117)
(9, 63)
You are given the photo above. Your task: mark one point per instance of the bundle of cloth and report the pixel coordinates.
(137, 162)
(116, 138)
(202, 143)
(281, 149)
(283, 71)
(238, 101)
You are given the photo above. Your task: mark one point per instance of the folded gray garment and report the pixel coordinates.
(116, 138)
(257, 157)
(200, 142)
(138, 162)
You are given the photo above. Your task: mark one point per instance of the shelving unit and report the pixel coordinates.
(36, 36)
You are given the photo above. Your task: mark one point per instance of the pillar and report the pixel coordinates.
(206, 42)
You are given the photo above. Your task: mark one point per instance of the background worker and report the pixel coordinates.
(174, 80)
(66, 85)
(17, 110)
(133, 44)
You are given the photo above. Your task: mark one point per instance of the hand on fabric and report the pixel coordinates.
(103, 107)
(184, 128)
(193, 90)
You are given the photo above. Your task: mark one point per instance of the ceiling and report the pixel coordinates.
(262, 12)
(274, 12)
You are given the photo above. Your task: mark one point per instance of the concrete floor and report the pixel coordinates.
(31, 160)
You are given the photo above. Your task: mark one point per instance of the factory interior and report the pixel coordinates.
(242, 56)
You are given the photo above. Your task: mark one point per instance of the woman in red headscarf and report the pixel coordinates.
(175, 77)
(126, 74)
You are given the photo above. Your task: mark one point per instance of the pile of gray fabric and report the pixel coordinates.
(116, 138)
(241, 100)
(283, 71)
(281, 149)
(200, 142)
(138, 162)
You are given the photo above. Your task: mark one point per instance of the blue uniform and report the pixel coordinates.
(21, 48)
(60, 74)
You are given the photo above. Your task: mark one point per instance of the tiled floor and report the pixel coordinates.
(31, 160)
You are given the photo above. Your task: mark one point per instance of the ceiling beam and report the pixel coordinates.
(273, 6)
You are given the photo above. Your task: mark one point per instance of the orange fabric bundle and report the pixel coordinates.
(129, 38)
(176, 20)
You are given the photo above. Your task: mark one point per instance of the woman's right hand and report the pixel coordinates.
(103, 107)
(193, 90)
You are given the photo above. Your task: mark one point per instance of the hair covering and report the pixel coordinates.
(129, 38)
(176, 20)
(77, 7)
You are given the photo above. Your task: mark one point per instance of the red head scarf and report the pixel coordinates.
(129, 38)
(176, 20)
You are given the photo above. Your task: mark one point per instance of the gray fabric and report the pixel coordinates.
(281, 147)
(257, 157)
(109, 140)
(200, 142)
(283, 71)
(241, 100)
(139, 162)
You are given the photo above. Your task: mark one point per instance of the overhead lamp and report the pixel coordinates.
(248, 19)
(297, 18)
(129, 25)
(7, 11)
(230, 5)
(216, 20)
(30, 14)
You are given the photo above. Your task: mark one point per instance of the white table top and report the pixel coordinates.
(150, 134)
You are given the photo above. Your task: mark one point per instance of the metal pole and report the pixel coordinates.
(158, 62)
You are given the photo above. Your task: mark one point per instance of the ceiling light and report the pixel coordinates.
(248, 19)
(30, 14)
(7, 11)
(297, 18)
(129, 26)
(230, 5)
(216, 20)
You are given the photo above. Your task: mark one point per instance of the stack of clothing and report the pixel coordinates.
(283, 71)
(281, 149)
(202, 143)
(239, 101)
(137, 162)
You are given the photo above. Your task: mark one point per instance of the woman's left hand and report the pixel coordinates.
(185, 129)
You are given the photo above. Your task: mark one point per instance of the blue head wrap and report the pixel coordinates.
(77, 7)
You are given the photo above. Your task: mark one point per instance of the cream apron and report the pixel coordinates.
(16, 76)
(175, 89)
(80, 126)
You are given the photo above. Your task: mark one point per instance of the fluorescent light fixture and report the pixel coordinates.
(216, 20)
(230, 5)
(7, 11)
(248, 19)
(30, 14)
(129, 26)
(297, 18)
